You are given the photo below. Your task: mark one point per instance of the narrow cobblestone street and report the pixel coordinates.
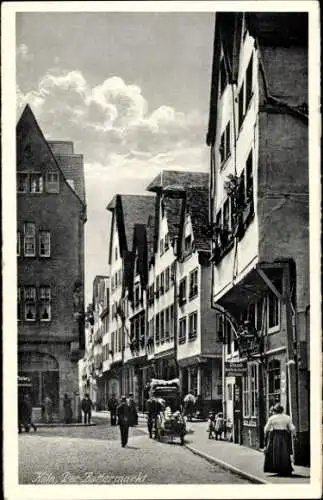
(94, 455)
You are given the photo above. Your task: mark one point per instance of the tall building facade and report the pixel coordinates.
(258, 138)
(51, 212)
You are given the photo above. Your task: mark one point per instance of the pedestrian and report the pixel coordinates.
(112, 407)
(279, 432)
(133, 411)
(87, 408)
(123, 412)
(48, 409)
(152, 408)
(22, 421)
(219, 425)
(28, 411)
(189, 404)
(68, 412)
(211, 426)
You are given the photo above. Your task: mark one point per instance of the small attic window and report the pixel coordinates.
(71, 183)
(52, 182)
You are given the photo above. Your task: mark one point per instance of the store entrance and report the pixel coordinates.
(42, 370)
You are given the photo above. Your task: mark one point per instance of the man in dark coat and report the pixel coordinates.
(133, 411)
(68, 412)
(112, 407)
(87, 408)
(28, 411)
(153, 408)
(123, 413)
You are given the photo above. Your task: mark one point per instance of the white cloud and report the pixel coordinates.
(111, 117)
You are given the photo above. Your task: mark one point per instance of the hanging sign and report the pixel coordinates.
(236, 369)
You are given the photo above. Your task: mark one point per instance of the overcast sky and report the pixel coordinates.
(130, 89)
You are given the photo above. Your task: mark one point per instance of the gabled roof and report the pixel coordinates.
(197, 205)
(129, 211)
(177, 178)
(27, 122)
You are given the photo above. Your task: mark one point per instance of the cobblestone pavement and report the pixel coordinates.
(93, 455)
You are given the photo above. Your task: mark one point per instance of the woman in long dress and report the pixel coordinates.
(279, 432)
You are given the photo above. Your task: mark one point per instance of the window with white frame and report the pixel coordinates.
(171, 333)
(182, 291)
(241, 104)
(273, 312)
(182, 330)
(166, 246)
(226, 215)
(137, 295)
(245, 93)
(161, 246)
(162, 283)
(193, 283)
(44, 243)
(120, 339)
(192, 326)
(30, 303)
(29, 239)
(18, 243)
(225, 143)
(45, 303)
(157, 331)
(36, 183)
(162, 326)
(167, 279)
(249, 178)
(249, 81)
(52, 182)
(167, 323)
(157, 287)
(273, 377)
(172, 272)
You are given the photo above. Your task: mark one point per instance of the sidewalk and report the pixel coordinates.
(246, 462)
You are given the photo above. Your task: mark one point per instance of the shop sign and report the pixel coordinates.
(237, 369)
(24, 381)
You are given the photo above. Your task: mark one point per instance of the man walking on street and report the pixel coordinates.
(112, 407)
(87, 408)
(123, 412)
(133, 411)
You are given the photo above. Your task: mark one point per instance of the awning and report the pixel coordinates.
(197, 359)
(252, 287)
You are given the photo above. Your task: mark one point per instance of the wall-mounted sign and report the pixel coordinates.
(236, 369)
